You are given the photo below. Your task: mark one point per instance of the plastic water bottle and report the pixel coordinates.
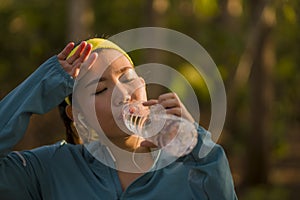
(175, 135)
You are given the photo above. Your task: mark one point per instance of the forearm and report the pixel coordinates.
(39, 93)
(210, 174)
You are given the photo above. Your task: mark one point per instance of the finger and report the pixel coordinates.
(84, 55)
(87, 65)
(150, 102)
(66, 51)
(180, 112)
(170, 103)
(174, 111)
(166, 96)
(86, 52)
(77, 52)
(91, 60)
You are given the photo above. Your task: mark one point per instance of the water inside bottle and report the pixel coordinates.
(175, 134)
(142, 120)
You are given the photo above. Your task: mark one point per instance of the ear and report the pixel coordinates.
(69, 112)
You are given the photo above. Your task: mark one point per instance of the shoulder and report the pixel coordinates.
(39, 160)
(56, 150)
(48, 155)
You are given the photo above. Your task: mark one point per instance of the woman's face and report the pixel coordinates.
(111, 82)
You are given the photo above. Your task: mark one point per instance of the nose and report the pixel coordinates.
(120, 95)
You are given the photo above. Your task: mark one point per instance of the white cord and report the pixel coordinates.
(132, 156)
(154, 163)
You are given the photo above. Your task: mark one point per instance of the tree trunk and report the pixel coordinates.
(255, 68)
(153, 18)
(80, 20)
(261, 92)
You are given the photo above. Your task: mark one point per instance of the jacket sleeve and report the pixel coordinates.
(39, 93)
(210, 175)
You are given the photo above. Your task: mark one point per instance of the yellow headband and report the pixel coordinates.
(99, 43)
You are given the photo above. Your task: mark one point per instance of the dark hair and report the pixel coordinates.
(72, 136)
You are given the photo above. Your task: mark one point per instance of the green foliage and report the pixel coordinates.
(206, 9)
(195, 79)
(266, 193)
(31, 31)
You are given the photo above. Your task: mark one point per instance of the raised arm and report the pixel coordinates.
(39, 93)
(20, 172)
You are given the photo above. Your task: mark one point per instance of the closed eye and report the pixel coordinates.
(128, 76)
(100, 91)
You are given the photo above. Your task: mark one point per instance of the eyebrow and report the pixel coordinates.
(98, 80)
(122, 70)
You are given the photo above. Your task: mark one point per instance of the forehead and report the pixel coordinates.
(110, 62)
(110, 59)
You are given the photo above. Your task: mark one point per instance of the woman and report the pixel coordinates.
(66, 171)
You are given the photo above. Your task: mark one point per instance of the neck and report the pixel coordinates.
(139, 158)
(129, 143)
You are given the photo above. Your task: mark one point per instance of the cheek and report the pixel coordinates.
(103, 110)
(104, 113)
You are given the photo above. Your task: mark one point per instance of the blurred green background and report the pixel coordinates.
(254, 43)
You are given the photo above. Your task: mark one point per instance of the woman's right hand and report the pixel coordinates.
(73, 64)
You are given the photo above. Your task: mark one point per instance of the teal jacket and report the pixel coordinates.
(64, 171)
